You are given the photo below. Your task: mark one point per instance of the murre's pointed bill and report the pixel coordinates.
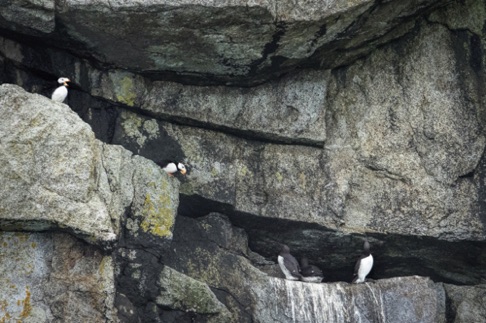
(363, 265)
(61, 92)
(288, 264)
(310, 273)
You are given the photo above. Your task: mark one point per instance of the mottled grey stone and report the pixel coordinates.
(184, 293)
(278, 181)
(467, 303)
(403, 141)
(28, 16)
(49, 277)
(291, 109)
(234, 42)
(55, 174)
(297, 116)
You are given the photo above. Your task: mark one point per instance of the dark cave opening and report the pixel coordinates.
(335, 252)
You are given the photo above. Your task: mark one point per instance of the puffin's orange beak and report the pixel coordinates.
(183, 171)
(65, 82)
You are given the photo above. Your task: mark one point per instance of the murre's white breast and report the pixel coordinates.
(365, 266)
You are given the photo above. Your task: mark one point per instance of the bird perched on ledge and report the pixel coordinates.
(288, 264)
(171, 168)
(363, 265)
(310, 273)
(61, 92)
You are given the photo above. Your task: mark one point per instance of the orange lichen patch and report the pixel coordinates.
(27, 307)
(6, 318)
(3, 308)
(3, 305)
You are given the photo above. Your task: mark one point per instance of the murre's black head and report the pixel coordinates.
(285, 249)
(310, 273)
(304, 262)
(366, 248)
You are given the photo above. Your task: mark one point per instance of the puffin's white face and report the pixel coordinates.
(63, 80)
(182, 168)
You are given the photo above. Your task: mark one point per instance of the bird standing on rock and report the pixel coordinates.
(363, 265)
(288, 264)
(61, 92)
(171, 168)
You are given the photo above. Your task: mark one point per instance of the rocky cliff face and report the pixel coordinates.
(314, 124)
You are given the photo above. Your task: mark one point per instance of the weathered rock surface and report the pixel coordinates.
(53, 277)
(57, 175)
(241, 42)
(29, 16)
(389, 146)
(183, 293)
(297, 116)
(401, 132)
(411, 141)
(261, 112)
(403, 144)
(467, 304)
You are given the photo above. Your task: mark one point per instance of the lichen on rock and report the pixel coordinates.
(86, 195)
(184, 293)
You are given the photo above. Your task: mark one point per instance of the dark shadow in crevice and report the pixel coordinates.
(335, 252)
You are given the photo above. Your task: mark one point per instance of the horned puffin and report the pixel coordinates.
(288, 264)
(172, 167)
(310, 273)
(61, 92)
(363, 265)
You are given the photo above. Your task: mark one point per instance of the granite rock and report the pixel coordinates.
(54, 277)
(232, 42)
(466, 303)
(57, 176)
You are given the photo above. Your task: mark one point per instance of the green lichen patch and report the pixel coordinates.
(158, 216)
(125, 92)
(184, 293)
